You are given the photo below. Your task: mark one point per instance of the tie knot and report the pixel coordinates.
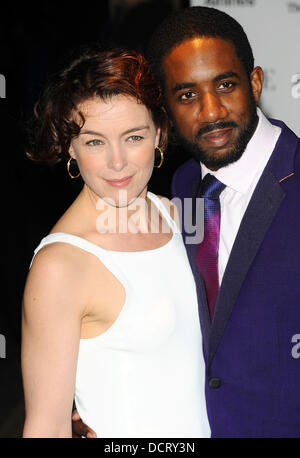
(211, 187)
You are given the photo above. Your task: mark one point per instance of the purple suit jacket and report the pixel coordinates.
(252, 348)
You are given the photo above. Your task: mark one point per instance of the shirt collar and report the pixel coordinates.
(240, 174)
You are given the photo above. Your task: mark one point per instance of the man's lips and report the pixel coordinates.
(217, 138)
(120, 183)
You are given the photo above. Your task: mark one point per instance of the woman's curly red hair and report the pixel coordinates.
(93, 72)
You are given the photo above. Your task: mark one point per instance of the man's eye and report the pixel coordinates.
(94, 143)
(187, 95)
(135, 138)
(227, 85)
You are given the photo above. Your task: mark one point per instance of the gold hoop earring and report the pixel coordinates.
(68, 169)
(161, 157)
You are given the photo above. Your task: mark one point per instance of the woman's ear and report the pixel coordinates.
(257, 80)
(157, 136)
(72, 152)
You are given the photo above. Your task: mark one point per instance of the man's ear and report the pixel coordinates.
(257, 80)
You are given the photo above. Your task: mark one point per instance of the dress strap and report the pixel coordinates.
(67, 238)
(105, 256)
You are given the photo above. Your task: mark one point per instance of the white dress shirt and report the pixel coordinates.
(240, 179)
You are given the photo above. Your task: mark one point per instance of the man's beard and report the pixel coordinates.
(214, 162)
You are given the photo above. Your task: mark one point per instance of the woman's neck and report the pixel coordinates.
(132, 218)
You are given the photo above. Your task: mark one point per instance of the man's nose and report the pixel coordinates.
(117, 159)
(211, 108)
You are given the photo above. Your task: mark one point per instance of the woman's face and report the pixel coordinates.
(115, 148)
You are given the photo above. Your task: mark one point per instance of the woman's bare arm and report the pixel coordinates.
(50, 342)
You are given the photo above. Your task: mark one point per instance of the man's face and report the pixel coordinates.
(210, 99)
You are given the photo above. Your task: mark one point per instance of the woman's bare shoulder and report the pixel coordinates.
(57, 276)
(56, 257)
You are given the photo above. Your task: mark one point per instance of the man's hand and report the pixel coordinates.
(79, 429)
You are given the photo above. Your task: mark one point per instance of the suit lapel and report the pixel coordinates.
(255, 223)
(204, 317)
(191, 249)
(258, 217)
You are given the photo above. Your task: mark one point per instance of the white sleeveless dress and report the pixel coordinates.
(145, 375)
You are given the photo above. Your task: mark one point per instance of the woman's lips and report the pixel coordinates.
(120, 183)
(217, 138)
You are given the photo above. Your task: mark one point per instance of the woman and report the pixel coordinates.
(110, 310)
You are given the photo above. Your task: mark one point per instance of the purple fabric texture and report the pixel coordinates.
(207, 250)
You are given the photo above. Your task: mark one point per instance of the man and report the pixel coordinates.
(247, 268)
(205, 64)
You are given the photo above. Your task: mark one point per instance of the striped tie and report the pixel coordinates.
(207, 251)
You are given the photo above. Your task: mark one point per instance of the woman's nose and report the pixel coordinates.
(117, 159)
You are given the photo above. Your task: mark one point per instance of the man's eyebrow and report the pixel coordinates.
(222, 76)
(180, 86)
(187, 85)
(99, 134)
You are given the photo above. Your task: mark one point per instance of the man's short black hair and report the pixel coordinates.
(197, 21)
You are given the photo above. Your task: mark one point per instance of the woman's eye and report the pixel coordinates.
(187, 95)
(135, 138)
(94, 142)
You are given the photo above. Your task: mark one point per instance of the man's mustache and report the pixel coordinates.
(214, 126)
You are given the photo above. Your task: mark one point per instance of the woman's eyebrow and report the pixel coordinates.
(91, 132)
(133, 129)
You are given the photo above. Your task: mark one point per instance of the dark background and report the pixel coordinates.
(33, 42)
